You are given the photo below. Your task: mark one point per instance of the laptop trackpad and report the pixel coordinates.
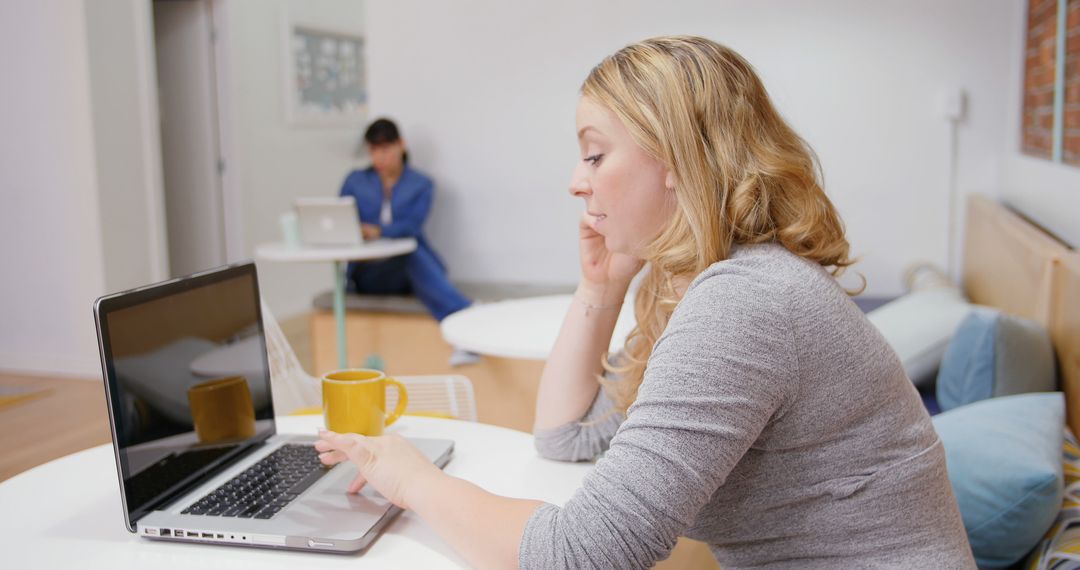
(327, 500)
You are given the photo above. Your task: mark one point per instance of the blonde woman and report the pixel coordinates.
(754, 408)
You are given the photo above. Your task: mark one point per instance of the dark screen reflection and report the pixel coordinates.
(191, 384)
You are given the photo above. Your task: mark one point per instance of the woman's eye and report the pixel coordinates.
(594, 159)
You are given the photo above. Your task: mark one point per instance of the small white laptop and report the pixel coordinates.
(329, 221)
(197, 450)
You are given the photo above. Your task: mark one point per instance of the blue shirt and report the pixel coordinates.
(410, 202)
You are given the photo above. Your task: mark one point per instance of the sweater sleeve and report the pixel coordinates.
(353, 185)
(581, 440)
(723, 367)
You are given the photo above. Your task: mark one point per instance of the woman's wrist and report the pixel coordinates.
(596, 296)
(593, 307)
(423, 486)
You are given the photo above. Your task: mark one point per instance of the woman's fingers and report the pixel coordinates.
(354, 447)
(332, 457)
(357, 484)
(337, 447)
(328, 454)
(349, 444)
(587, 225)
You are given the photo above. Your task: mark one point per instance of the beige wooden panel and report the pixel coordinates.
(1008, 261)
(1065, 331)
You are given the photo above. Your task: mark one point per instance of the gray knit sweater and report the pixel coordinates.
(775, 424)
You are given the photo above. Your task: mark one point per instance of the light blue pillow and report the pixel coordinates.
(1004, 459)
(993, 354)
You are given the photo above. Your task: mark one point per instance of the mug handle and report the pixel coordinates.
(403, 400)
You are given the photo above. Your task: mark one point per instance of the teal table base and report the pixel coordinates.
(339, 313)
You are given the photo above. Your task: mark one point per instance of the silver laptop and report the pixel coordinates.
(329, 221)
(197, 451)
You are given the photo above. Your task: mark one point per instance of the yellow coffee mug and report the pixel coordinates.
(354, 401)
(222, 410)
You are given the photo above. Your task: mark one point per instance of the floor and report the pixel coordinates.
(70, 417)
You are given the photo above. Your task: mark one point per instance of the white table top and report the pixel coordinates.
(521, 328)
(67, 513)
(376, 249)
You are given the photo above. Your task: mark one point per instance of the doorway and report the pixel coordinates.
(193, 161)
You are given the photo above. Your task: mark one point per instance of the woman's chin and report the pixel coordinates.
(619, 246)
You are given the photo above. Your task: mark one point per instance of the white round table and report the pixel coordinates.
(521, 328)
(339, 255)
(67, 513)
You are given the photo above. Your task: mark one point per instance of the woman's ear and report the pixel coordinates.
(669, 180)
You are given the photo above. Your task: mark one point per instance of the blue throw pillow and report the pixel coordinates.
(993, 354)
(1004, 460)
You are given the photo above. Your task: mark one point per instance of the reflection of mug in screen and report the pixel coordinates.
(222, 410)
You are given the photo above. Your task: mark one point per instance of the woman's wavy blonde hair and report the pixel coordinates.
(742, 175)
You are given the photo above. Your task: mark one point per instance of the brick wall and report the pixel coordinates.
(1071, 150)
(1040, 56)
(1039, 75)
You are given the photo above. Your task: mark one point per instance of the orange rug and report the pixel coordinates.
(11, 396)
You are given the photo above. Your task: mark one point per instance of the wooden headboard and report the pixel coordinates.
(1065, 330)
(1011, 264)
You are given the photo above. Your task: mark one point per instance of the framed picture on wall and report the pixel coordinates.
(1051, 112)
(325, 76)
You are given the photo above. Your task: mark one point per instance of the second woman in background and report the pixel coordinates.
(394, 201)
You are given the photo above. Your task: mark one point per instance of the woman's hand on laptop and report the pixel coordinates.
(390, 463)
(482, 526)
(371, 231)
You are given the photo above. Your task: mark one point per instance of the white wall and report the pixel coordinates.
(50, 244)
(485, 93)
(1046, 192)
(275, 162)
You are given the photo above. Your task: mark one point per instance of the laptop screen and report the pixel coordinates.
(187, 379)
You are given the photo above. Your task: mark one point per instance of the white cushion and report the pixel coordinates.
(919, 326)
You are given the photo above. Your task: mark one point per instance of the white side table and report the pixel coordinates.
(521, 328)
(378, 249)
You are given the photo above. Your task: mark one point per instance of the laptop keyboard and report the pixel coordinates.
(266, 487)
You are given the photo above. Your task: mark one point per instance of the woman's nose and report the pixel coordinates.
(579, 183)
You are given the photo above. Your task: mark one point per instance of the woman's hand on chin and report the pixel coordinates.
(605, 274)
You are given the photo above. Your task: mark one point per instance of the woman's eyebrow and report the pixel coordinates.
(581, 133)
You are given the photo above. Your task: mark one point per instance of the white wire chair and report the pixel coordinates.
(291, 387)
(444, 396)
(296, 392)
